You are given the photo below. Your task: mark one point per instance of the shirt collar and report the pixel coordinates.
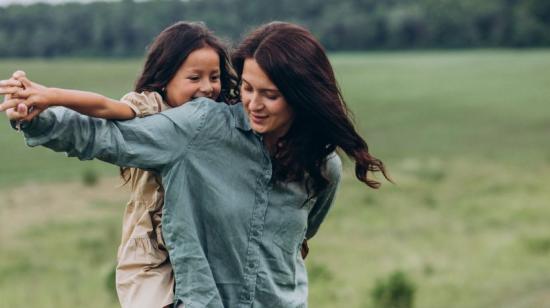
(240, 120)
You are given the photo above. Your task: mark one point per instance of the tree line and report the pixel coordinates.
(126, 27)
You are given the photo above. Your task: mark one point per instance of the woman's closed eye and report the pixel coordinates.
(271, 95)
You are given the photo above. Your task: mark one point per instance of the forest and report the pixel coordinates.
(125, 28)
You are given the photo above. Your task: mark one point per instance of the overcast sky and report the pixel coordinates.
(8, 2)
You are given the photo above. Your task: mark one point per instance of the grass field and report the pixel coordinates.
(465, 136)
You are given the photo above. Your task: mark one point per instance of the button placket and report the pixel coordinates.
(256, 230)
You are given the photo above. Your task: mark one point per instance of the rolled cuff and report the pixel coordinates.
(36, 129)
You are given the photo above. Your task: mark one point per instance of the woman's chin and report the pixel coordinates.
(258, 129)
(257, 126)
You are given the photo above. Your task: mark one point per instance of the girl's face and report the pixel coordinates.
(198, 76)
(268, 111)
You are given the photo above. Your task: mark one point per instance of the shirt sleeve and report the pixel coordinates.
(149, 143)
(326, 198)
(144, 103)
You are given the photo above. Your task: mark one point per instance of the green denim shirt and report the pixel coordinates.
(233, 234)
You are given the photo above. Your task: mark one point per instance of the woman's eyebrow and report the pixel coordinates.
(262, 89)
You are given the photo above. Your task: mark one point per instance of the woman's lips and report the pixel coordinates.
(258, 119)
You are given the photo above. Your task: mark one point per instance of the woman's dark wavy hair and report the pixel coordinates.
(298, 65)
(169, 51)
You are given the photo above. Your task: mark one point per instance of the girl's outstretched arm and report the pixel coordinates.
(91, 104)
(40, 97)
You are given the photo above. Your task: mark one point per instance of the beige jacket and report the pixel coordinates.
(144, 277)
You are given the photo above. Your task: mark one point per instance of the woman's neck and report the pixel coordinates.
(271, 138)
(270, 142)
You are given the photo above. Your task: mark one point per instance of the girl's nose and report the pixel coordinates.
(206, 87)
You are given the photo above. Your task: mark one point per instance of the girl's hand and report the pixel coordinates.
(20, 90)
(7, 87)
(10, 86)
(20, 113)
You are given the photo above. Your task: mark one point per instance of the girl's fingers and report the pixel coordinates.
(25, 82)
(22, 94)
(22, 109)
(14, 115)
(32, 114)
(27, 89)
(11, 103)
(18, 74)
(9, 90)
(11, 83)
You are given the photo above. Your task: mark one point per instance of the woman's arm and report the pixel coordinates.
(325, 199)
(38, 96)
(149, 143)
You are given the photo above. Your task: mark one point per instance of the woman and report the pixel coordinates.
(245, 183)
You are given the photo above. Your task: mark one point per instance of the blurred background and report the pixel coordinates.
(453, 95)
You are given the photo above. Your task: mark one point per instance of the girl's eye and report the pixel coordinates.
(247, 89)
(215, 77)
(193, 78)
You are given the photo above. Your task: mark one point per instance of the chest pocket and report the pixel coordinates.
(289, 237)
(291, 217)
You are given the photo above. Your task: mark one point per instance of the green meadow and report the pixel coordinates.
(464, 134)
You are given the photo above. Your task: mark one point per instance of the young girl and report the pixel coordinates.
(184, 62)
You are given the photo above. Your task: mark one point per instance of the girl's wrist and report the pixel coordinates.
(51, 97)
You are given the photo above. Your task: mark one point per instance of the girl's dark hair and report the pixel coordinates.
(298, 65)
(172, 47)
(168, 52)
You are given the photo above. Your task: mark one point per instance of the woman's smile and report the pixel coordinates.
(258, 119)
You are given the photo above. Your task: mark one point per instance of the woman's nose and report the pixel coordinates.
(255, 103)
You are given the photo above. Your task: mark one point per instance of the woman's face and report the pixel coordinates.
(268, 112)
(198, 76)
